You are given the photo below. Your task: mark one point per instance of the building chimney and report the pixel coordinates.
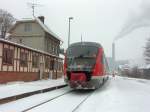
(41, 18)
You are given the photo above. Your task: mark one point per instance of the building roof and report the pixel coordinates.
(29, 48)
(44, 27)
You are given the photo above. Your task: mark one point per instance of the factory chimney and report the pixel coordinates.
(113, 56)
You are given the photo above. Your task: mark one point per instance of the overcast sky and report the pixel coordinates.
(97, 20)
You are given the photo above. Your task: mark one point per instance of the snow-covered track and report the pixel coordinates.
(23, 95)
(61, 101)
(30, 108)
(82, 102)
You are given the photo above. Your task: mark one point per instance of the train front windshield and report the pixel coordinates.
(81, 58)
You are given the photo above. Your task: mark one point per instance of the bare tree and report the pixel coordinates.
(6, 21)
(147, 52)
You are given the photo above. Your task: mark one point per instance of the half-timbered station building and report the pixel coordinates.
(30, 53)
(22, 63)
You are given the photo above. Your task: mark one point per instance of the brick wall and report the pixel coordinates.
(18, 76)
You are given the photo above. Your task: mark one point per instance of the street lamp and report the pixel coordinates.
(70, 18)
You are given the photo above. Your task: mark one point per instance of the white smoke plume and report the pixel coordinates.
(136, 20)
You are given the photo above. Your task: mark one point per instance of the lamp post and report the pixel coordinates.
(70, 18)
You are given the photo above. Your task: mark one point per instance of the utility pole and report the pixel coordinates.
(70, 18)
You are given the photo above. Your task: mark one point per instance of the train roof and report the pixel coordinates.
(94, 44)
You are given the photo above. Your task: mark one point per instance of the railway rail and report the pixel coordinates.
(75, 109)
(62, 95)
(30, 108)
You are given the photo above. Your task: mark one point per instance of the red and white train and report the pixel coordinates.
(85, 65)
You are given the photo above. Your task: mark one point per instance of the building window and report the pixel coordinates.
(23, 59)
(50, 47)
(53, 49)
(60, 66)
(8, 55)
(55, 65)
(47, 63)
(27, 27)
(34, 61)
(52, 65)
(57, 51)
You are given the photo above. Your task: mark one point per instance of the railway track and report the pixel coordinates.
(62, 95)
(30, 108)
(76, 108)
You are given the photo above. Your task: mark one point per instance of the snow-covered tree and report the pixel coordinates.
(6, 21)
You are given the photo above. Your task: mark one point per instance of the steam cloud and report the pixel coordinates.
(136, 20)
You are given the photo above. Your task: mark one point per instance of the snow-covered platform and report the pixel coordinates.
(118, 94)
(18, 88)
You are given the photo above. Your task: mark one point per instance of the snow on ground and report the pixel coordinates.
(25, 87)
(24, 103)
(119, 94)
(144, 81)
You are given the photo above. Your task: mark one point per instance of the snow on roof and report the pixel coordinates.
(27, 47)
(46, 28)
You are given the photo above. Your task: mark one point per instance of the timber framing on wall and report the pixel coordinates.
(16, 63)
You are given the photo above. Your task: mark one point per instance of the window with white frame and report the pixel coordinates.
(27, 27)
